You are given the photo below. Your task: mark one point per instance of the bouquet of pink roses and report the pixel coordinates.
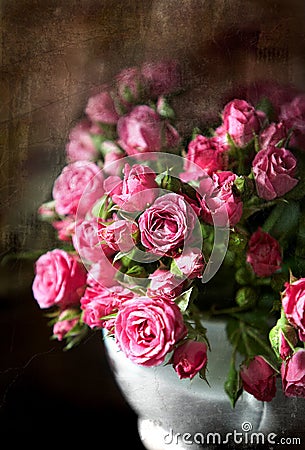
(157, 230)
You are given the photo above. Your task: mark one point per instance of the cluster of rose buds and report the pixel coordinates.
(137, 209)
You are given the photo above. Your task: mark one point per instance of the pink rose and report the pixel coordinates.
(140, 131)
(293, 115)
(147, 329)
(101, 108)
(205, 152)
(120, 235)
(167, 225)
(191, 263)
(130, 85)
(101, 302)
(163, 284)
(218, 200)
(241, 121)
(274, 170)
(264, 253)
(285, 349)
(293, 375)
(65, 228)
(59, 279)
(87, 243)
(189, 358)
(77, 188)
(272, 135)
(293, 301)
(137, 190)
(259, 379)
(102, 273)
(113, 158)
(62, 327)
(80, 145)
(161, 78)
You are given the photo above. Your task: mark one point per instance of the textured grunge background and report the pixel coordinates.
(53, 55)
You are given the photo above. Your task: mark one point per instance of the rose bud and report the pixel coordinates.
(293, 375)
(259, 379)
(65, 324)
(130, 85)
(120, 235)
(272, 135)
(283, 338)
(189, 358)
(274, 170)
(241, 121)
(101, 108)
(161, 78)
(264, 253)
(81, 145)
(293, 301)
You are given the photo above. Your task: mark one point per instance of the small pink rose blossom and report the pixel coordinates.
(59, 280)
(147, 329)
(120, 235)
(80, 145)
(218, 201)
(140, 131)
(241, 121)
(259, 379)
(77, 188)
(63, 326)
(101, 108)
(137, 190)
(274, 171)
(293, 375)
(264, 253)
(130, 85)
(189, 358)
(161, 78)
(113, 158)
(205, 152)
(167, 225)
(191, 263)
(65, 228)
(272, 135)
(293, 301)
(163, 284)
(87, 243)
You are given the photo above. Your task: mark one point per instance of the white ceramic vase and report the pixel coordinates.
(190, 414)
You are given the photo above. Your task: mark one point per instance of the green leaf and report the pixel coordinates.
(184, 299)
(267, 107)
(233, 385)
(174, 269)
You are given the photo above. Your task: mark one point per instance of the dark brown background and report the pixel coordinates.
(54, 54)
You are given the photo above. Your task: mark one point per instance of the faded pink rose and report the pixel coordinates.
(103, 301)
(274, 170)
(63, 326)
(141, 131)
(163, 284)
(167, 225)
(189, 358)
(147, 329)
(259, 379)
(241, 121)
(219, 202)
(103, 273)
(293, 115)
(293, 375)
(293, 301)
(87, 243)
(113, 158)
(80, 146)
(161, 78)
(120, 235)
(77, 188)
(101, 108)
(130, 85)
(191, 263)
(136, 191)
(207, 153)
(65, 228)
(59, 280)
(264, 253)
(272, 135)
